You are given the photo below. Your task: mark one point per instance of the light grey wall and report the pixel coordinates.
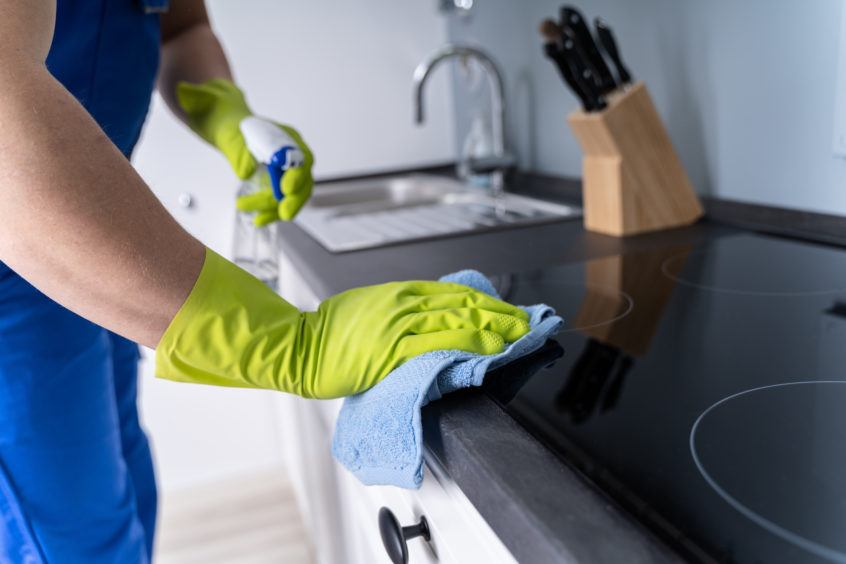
(747, 89)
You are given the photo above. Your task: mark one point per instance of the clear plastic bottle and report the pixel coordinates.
(255, 249)
(477, 145)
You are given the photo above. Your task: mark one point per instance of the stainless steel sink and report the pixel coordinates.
(362, 214)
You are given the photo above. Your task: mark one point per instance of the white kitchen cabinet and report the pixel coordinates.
(342, 514)
(458, 534)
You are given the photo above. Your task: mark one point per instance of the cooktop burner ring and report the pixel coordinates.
(505, 287)
(629, 307)
(780, 531)
(667, 271)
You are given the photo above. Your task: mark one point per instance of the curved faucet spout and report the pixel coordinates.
(424, 70)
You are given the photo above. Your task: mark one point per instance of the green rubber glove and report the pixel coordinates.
(235, 331)
(215, 110)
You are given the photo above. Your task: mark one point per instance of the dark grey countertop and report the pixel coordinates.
(543, 510)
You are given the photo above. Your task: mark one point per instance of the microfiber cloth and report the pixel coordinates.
(379, 436)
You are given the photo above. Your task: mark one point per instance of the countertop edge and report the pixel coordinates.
(524, 507)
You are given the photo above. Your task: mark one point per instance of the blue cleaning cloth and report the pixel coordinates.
(378, 435)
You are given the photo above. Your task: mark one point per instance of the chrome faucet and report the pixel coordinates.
(501, 160)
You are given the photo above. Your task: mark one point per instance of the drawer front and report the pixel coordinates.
(365, 503)
(458, 533)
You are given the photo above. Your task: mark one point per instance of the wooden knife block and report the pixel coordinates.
(633, 181)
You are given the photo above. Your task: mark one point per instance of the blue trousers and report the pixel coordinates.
(76, 473)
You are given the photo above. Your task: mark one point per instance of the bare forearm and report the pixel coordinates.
(190, 51)
(75, 218)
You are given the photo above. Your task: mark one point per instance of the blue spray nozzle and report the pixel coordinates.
(285, 158)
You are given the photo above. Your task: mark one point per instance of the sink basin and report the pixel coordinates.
(362, 214)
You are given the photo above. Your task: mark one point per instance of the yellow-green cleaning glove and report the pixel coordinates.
(215, 110)
(233, 330)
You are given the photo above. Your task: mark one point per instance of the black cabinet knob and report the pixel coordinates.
(395, 536)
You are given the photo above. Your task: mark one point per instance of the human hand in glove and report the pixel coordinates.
(218, 112)
(235, 331)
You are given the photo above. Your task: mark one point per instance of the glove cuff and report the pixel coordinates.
(231, 331)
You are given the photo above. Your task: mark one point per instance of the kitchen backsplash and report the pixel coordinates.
(747, 89)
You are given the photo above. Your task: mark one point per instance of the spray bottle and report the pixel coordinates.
(255, 249)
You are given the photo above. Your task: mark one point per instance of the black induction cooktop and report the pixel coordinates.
(703, 388)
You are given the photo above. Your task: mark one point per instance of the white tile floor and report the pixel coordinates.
(251, 520)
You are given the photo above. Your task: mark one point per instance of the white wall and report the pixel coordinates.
(341, 73)
(746, 88)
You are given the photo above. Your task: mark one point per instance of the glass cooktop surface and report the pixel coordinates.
(703, 388)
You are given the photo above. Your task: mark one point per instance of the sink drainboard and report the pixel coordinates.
(367, 214)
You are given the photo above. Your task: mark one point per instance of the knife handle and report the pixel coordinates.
(572, 18)
(582, 74)
(609, 44)
(554, 53)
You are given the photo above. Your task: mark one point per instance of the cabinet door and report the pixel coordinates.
(191, 178)
(307, 451)
(362, 505)
(458, 534)
(306, 444)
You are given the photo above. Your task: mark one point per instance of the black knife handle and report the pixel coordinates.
(572, 18)
(554, 53)
(609, 44)
(582, 74)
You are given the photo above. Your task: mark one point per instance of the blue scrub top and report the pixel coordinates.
(106, 52)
